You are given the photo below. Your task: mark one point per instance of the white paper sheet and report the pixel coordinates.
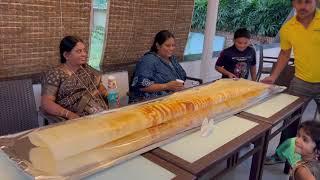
(194, 146)
(273, 105)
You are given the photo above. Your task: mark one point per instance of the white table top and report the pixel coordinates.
(273, 105)
(194, 146)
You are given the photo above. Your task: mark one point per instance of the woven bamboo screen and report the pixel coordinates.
(31, 30)
(133, 24)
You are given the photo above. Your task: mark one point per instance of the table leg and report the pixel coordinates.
(258, 157)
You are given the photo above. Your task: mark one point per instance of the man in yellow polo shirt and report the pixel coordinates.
(302, 35)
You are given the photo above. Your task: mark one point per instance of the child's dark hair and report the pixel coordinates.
(242, 32)
(312, 129)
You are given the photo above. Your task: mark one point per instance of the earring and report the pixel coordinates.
(317, 154)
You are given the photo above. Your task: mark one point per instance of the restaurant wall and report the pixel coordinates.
(132, 25)
(31, 30)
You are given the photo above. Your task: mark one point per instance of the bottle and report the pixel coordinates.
(113, 94)
(113, 99)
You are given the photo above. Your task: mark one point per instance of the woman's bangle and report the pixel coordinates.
(64, 113)
(67, 112)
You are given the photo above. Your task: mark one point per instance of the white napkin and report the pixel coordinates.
(206, 127)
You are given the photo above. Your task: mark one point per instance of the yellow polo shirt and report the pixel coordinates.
(306, 47)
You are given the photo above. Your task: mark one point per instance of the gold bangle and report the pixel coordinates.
(67, 113)
(64, 113)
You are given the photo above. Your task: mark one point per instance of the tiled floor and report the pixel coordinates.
(271, 172)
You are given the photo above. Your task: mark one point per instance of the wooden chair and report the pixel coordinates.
(263, 68)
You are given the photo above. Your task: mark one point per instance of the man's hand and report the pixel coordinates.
(269, 80)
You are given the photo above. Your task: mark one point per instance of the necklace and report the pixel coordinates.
(100, 99)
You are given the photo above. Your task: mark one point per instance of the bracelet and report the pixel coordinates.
(64, 113)
(67, 112)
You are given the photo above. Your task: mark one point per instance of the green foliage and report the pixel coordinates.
(261, 17)
(199, 15)
(100, 4)
(96, 49)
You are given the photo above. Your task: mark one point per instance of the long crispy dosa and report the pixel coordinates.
(89, 132)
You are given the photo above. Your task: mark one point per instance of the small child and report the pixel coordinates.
(237, 60)
(308, 146)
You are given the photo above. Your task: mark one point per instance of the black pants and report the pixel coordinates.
(300, 87)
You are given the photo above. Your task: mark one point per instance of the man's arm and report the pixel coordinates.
(282, 62)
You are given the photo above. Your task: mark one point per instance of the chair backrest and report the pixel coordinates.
(131, 70)
(17, 106)
(266, 63)
(260, 58)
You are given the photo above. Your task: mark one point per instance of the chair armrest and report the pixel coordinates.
(195, 79)
(272, 62)
(269, 57)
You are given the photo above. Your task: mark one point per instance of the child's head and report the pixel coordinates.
(241, 39)
(308, 139)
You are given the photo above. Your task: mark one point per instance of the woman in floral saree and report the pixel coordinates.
(72, 89)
